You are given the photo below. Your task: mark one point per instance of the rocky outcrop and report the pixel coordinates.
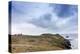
(67, 44)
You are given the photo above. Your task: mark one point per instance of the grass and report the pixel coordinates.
(44, 42)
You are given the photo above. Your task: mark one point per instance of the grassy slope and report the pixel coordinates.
(28, 43)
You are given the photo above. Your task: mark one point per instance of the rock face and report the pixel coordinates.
(43, 42)
(67, 44)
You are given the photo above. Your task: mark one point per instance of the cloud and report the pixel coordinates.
(43, 21)
(36, 18)
(28, 10)
(27, 28)
(64, 10)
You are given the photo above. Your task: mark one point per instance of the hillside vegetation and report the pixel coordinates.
(43, 42)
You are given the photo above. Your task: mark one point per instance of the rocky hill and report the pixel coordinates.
(43, 42)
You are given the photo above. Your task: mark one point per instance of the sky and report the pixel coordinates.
(37, 18)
